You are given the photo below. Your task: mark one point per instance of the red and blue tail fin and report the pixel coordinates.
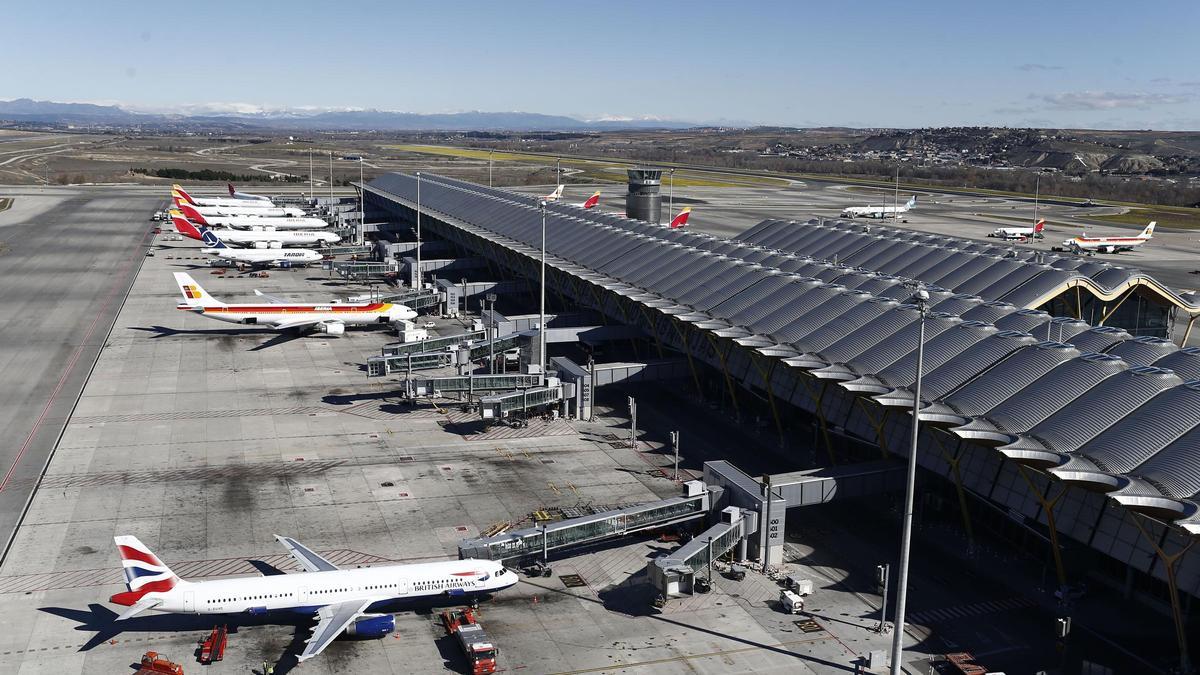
(681, 219)
(144, 572)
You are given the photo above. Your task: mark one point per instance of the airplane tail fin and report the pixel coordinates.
(183, 193)
(912, 201)
(681, 219)
(193, 294)
(553, 196)
(1039, 226)
(592, 201)
(144, 573)
(184, 226)
(192, 214)
(232, 191)
(209, 237)
(1149, 231)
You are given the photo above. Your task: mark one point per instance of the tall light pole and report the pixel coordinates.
(671, 199)
(330, 181)
(490, 154)
(312, 180)
(896, 196)
(362, 203)
(558, 172)
(419, 276)
(1037, 192)
(922, 301)
(542, 304)
(491, 299)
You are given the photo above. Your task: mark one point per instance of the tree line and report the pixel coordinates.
(212, 175)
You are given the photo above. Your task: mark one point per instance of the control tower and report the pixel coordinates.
(643, 201)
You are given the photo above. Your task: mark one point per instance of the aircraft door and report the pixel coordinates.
(402, 587)
(189, 601)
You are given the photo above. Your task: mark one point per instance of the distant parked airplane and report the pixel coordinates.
(554, 196)
(350, 601)
(253, 222)
(1034, 232)
(238, 210)
(280, 314)
(590, 202)
(880, 211)
(245, 195)
(220, 201)
(259, 257)
(256, 238)
(1084, 243)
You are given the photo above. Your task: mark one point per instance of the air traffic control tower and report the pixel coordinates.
(643, 201)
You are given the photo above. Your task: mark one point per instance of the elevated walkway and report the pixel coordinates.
(434, 386)
(674, 574)
(539, 541)
(499, 406)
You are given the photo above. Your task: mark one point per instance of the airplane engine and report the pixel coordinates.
(1108, 249)
(374, 627)
(332, 328)
(261, 244)
(276, 244)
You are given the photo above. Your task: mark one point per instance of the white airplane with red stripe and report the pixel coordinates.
(221, 201)
(351, 601)
(252, 222)
(238, 210)
(281, 314)
(1085, 244)
(590, 202)
(256, 238)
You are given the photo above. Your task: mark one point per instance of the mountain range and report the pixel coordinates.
(28, 111)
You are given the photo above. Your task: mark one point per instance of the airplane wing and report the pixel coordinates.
(331, 621)
(274, 299)
(309, 560)
(302, 323)
(139, 607)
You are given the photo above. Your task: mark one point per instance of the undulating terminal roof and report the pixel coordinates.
(1018, 276)
(1091, 405)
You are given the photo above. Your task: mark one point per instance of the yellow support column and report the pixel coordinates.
(687, 351)
(954, 461)
(1048, 506)
(756, 359)
(1173, 587)
(737, 411)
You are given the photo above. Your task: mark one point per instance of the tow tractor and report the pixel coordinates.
(153, 664)
(475, 644)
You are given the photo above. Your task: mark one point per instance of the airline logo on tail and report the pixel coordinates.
(211, 239)
(912, 201)
(183, 226)
(232, 192)
(681, 219)
(175, 189)
(1039, 226)
(592, 201)
(553, 196)
(144, 572)
(1148, 232)
(192, 214)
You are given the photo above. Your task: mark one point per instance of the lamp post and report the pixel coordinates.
(922, 302)
(418, 231)
(491, 298)
(542, 304)
(490, 154)
(362, 203)
(671, 199)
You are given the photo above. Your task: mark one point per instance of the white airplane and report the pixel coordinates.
(253, 222)
(258, 257)
(245, 195)
(220, 201)
(280, 314)
(880, 211)
(256, 238)
(351, 601)
(1034, 232)
(681, 219)
(1084, 243)
(554, 196)
(273, 211)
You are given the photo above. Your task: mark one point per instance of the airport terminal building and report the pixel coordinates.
(1055, 403)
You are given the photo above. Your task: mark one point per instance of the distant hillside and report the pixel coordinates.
(84, 114)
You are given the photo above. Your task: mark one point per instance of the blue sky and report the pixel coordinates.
(1080, 64)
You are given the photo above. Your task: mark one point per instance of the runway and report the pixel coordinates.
(69, 258)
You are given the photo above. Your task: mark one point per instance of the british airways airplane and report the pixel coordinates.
(344, 601)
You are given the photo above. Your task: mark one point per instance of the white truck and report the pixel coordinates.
(790, 602)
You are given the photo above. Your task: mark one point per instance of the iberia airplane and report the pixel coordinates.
(1084, 243)
(351, 601)
(590, 202)
(238, 210)
(554, 196)
(681, 219)
(281, 314)
(220, 201)
(252, 222)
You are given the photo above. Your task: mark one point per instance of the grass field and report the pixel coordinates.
(593, 170)
(1187, 219)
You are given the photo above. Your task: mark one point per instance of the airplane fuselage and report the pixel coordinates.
(350, 314)
(304, 591)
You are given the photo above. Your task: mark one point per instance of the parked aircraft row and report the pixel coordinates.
(350, 601)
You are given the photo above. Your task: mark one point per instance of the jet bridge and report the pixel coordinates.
(675, 573)
(539, 541)
(499, 406)
(434, 386)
